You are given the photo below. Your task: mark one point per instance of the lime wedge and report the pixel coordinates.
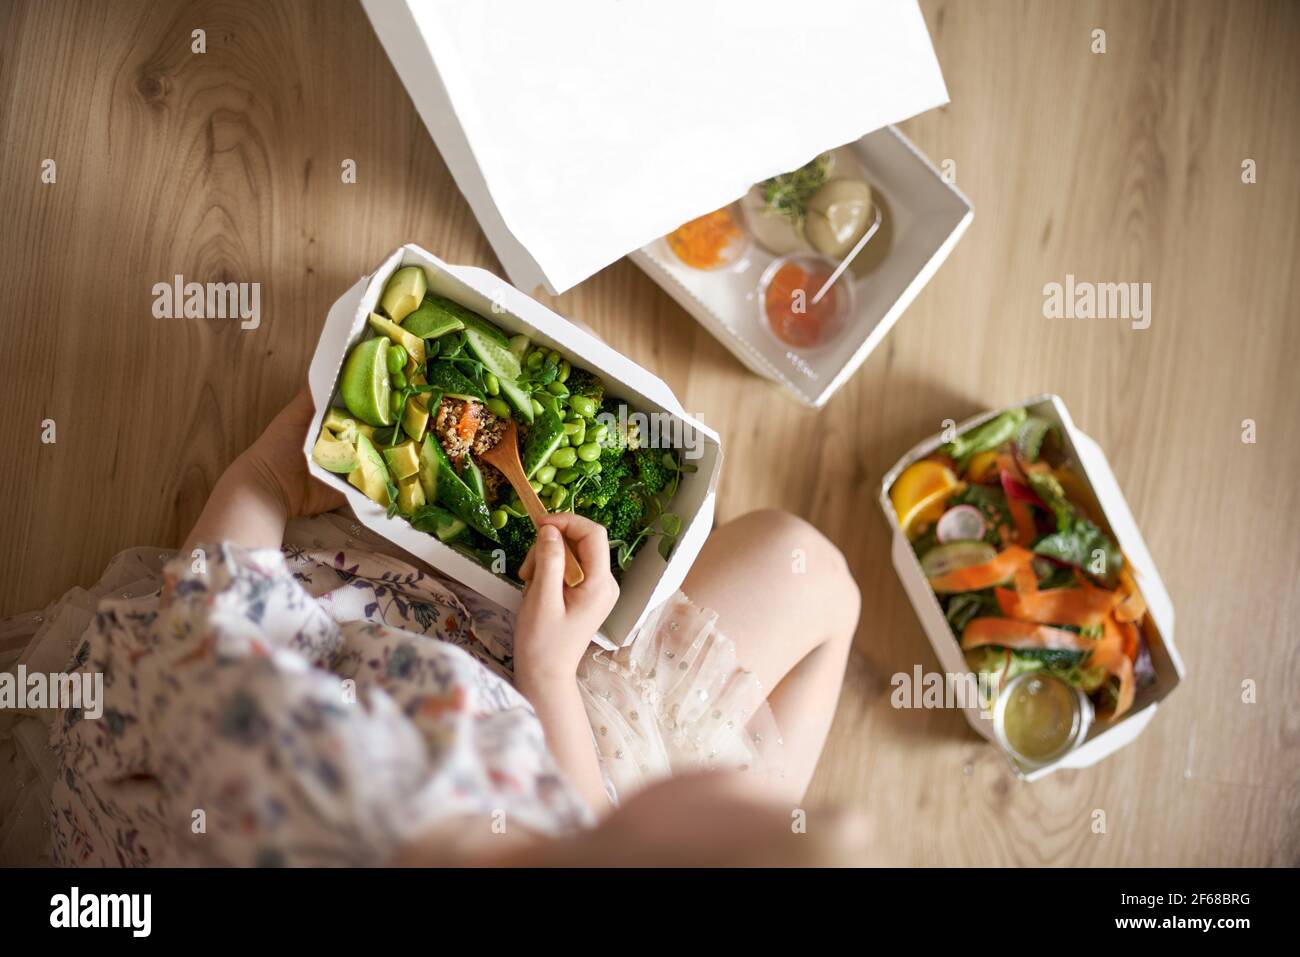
(366, 389)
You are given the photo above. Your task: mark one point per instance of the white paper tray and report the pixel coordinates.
(928, 216)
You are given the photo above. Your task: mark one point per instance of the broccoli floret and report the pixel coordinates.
(621, 516)
(582, 382)
(614, 469)
(651, 470)
(517, 537)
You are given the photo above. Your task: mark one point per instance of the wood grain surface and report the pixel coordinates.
(1122, 166)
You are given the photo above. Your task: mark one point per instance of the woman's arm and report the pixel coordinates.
(552, 631)
(266, 486)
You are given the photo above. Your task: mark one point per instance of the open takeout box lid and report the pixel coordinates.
(579, 133)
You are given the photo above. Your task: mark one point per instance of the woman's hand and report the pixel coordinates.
(276, 457)
(554, 626)
(556, 623)
(266, 486)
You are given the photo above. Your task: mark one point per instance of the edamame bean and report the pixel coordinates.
(557, 388)
(537, 407)
(564, 458)
(492, 384)
(499, 518)
(571, 426)
(396, 358)
(558, 497)
(583, 405)
(395, 403)
(579, 435)
(589, 468)
(534, 360)
(565, 369)
(600, 433)
(549, 489)
(545, 474)
(535, 485)
(589, 452)
(398, 380)
(553, 358)
(565, 442)
(498, 407)
(565, 476)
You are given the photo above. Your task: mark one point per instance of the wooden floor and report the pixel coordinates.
(1122, 166)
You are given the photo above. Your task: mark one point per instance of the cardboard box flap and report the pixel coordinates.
(581, 132)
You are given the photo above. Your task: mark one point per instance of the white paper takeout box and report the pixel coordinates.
(928, 215)
(585, 131)
(1086, 456)
(649, 580)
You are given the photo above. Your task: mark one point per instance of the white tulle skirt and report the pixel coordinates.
(676, 700)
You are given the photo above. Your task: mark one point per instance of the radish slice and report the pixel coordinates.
(962, 523)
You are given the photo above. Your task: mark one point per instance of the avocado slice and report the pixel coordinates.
(335, 455)
(370, 475)
(410, 495)
(337, 421)
(403, 460)
(415, 418)
(403, 292)
(429, 321)
(413, 345)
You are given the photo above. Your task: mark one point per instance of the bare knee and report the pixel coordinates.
(799, 557)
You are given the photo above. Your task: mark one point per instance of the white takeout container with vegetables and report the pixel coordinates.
(394, 466)
(589, 131)
(1019, 553)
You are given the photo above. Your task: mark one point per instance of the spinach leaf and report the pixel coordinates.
(1084, 546)
(1077, 541)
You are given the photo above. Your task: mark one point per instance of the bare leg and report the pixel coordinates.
(784, 595)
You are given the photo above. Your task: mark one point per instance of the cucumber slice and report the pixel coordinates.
(474, 478)
(501, 362)
(519, 345)
(437, 521)
(956, 555)
(452, 381)
(491, 347)
(518, 398)
(543, 439)
(498, 358)
(456, 495)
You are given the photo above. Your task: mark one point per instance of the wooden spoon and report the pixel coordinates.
(505, 457)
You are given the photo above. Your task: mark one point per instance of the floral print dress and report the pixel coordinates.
(325, 703)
